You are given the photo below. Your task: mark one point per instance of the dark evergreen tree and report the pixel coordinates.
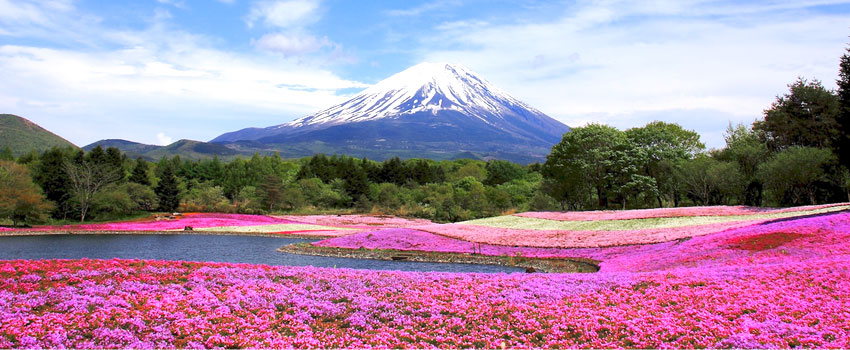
(54, 181)
(804, 117)
(96, 156)
(842, 144)
(140, 173)
(394, 171)
(167, 191)
(501, 171)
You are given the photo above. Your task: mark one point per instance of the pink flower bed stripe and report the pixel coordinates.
(194, 220)
(575, 239)
(356, 221)
(802, 239)
(318, 233)
(666, 212)
(159, 304)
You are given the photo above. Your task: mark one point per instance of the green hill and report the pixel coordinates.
(186, 149)
(22, 136)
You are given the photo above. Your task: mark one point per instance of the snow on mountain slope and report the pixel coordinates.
(424, 87)
(436, 107)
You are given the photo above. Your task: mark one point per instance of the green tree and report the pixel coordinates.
(88, 178)
(792, 176)
(140, 173)
(663, 144)
(708, 181)
(113, 202)
(500, 171)
(50, 175)
(20, 199)
(599, 155)
(744, 147)
(272, 191)
(842, 143)
(805, 117)
(167, 191)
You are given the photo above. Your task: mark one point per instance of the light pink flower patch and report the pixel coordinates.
(194, 220)
(574, 239)
(356, 221)
(666, 212)
(317, 233)
(159, 304)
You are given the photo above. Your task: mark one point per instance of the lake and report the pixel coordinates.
(194, 247)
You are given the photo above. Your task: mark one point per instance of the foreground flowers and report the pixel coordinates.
(144, 304)
(770, 284)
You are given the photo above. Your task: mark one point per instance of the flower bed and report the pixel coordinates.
(573, 239)
(519, 222)
(356, 221)
(669, 212)
(801, 239)
(156, 304)
(194, 220)
(278, 228)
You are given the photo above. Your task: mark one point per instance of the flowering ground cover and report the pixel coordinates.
(357, 221)
(195, 220)
(720, 210)
(147, 304)
(533, 232)
(573, 239)
(803, 239)
(520, 222)
(778, 283)
(278, 228)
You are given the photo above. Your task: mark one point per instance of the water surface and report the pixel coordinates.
(199, 247)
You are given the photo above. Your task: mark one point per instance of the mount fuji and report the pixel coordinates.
(430, 110)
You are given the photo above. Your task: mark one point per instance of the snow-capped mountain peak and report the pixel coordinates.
(425, 87)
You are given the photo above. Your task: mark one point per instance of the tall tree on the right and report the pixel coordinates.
(842, 145)
(806, 116)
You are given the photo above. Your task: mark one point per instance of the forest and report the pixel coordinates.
(797, 154)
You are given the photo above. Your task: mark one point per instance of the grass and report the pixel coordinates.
(518, 222)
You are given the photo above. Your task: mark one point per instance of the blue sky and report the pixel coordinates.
(160, 70)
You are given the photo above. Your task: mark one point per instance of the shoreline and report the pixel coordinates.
(547, 265)
(130, 233)
(531, 264)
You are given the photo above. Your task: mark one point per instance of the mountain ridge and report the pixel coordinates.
(22, 135)
(434, 107)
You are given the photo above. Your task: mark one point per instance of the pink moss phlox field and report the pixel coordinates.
(575, 238)
(356, 221)
(771, 242)
(316, 233)
(194, 220)
(158, 304)
(666, 212)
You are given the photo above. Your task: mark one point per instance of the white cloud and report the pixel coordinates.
(163, 140)
(624, 62)
(157, 80)
(284, 13)
(291, 44)
(424, 8)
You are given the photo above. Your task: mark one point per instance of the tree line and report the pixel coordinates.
(799, 153)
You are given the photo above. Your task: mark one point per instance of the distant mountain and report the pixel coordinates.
(187, 149)
(132, 149)
(433, 110)
(22, 136)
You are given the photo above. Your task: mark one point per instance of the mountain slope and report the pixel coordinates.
(429, 107)
(22, 136)
(187, 149)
